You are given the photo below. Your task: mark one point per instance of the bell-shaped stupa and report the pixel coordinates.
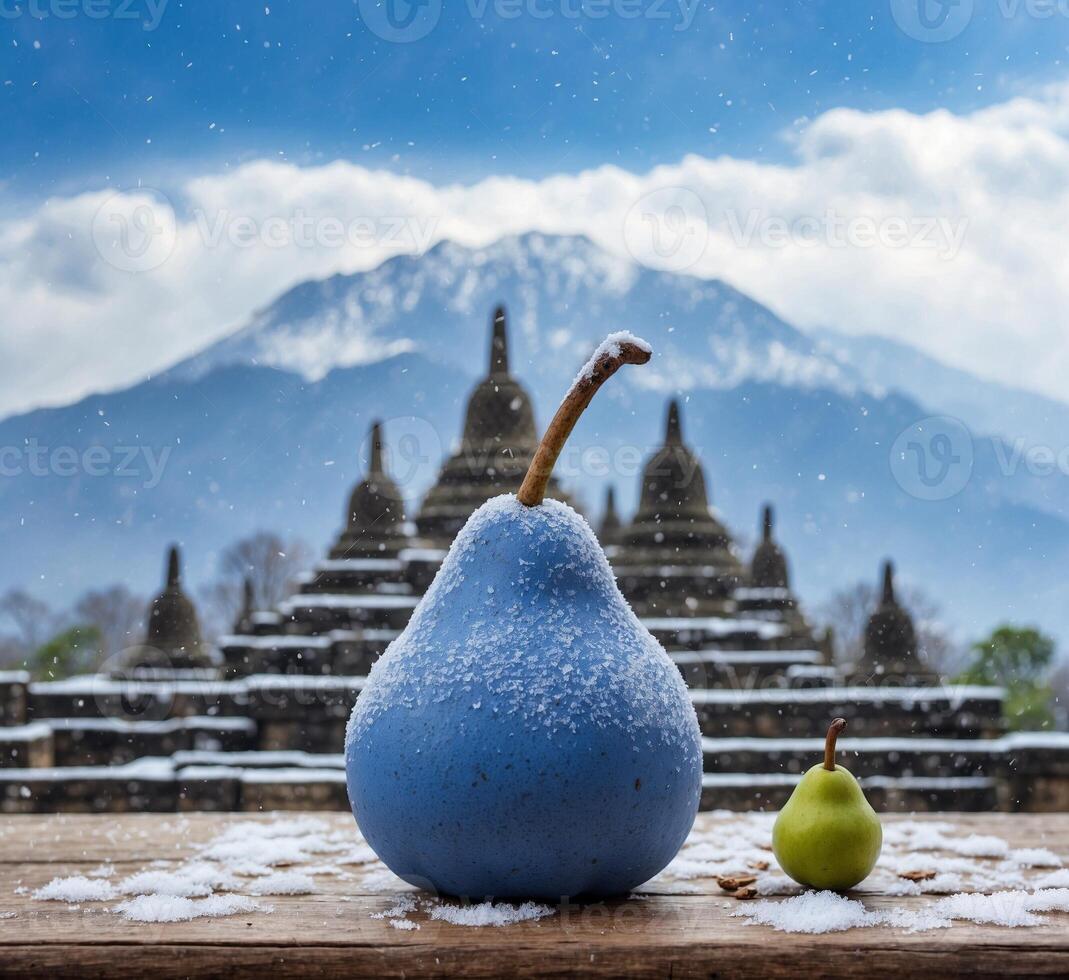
(768, 568)
(767, 592)
(173, 629)
(496, 448)
(675, 557)
(375, 517)
(610, 526)
(891, 650)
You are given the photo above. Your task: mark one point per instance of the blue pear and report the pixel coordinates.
(526, 736)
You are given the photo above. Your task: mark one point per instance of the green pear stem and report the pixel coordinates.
(533, 489)
(829, 743)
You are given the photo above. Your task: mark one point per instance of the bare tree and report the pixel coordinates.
(848, 612)
(269, 563)
(118, 615)
(32, 619)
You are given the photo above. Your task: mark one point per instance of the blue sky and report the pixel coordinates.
(160, 87)
(496, 117)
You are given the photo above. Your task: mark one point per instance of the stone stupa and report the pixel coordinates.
(767, 593)
(172, 634)
(498, 443)
(375, 517)
(610, 526)
(675, 558)
(891, 650)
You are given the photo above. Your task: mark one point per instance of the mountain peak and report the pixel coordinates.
(564, 292)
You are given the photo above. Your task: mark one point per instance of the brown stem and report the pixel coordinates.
(829, 743)
(533, 489)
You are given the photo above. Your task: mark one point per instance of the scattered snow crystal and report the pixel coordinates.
(75, 889)
(489, 914)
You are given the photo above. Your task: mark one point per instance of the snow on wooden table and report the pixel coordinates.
(356, 919)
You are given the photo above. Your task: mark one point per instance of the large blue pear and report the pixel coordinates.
(525, 735)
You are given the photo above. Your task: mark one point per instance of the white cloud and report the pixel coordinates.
(947, 231)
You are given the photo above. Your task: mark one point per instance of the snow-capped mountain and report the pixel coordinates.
(266, 428)
(563, 293)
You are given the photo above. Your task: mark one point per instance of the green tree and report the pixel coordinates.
(74, 651)
(1018, 659)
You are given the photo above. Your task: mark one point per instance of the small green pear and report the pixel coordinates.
(828, 836)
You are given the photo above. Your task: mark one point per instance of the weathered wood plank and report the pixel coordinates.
(333, 934)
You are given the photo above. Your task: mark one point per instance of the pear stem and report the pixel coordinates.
(609, 358)
(829, 743)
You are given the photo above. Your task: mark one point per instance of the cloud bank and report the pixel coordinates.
(946, 231)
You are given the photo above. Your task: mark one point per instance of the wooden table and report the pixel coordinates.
(333, 934)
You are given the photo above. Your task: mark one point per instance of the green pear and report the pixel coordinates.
(828, 836)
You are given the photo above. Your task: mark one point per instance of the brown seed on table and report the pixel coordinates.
(745, 894)
(917, 875)
(732, 882)
(759, 865)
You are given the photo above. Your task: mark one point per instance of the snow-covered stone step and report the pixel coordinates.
(959, 711)
(13, 687)
(769, 791)
(26, 746)
(743, 669)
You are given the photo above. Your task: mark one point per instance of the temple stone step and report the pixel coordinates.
(26, 746)
(958, 712)
(747, 670)
(112, 741)
(765, 791)
(264, 697)
(929, 757)
(13, 690)
(722, 632)
(339, 652)
(260, 781)
(160, 785)
(322, 612)
(353, 575)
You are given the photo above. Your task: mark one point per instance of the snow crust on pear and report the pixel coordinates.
(520, 642)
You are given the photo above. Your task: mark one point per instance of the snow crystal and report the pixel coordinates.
(810, 912)
(282, 883)
(405, 904)
(75, 889)
(1056, 879)
(404, 924)
(171, 908)
(610, 347)
(818, 912)
(1035, 857)
(191, 881)
(489, 914)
